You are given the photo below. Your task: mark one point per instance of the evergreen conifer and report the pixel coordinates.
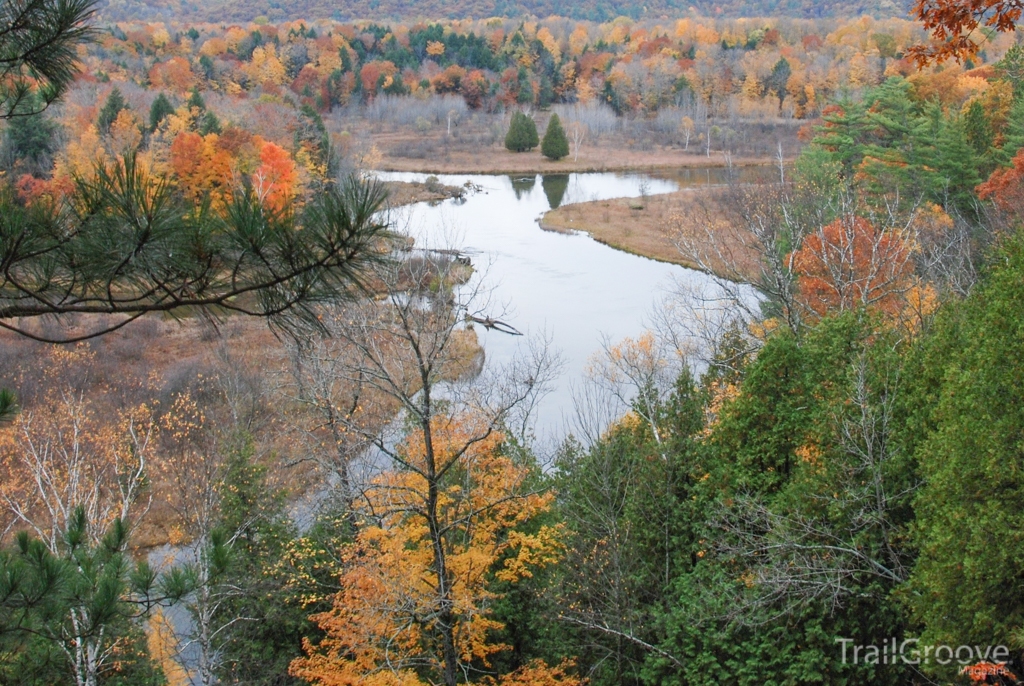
(159, 110)
(209, 123)
(977, 128)
(195, 99)
(555, 145)
(522, 133)
(111, 108)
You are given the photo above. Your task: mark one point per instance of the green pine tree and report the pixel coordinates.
(1011, 68)
(978, 128)
(1014, 133)
(195, 100)
(778, 80)
(209, 123)
(40, 47)
(522, 133)
(111, 108)
(966, 586)
(32, 138)
(530, 127)
(555, 145)
(159, 110)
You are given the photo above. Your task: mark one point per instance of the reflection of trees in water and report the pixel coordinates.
(522, 185)
(555, 186)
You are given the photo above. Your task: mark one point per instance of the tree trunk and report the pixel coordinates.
(446, 618)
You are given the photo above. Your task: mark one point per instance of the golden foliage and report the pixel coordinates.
(537, 673)
(383, 628)
(163, 647)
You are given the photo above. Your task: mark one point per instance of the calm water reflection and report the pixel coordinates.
(572, 288)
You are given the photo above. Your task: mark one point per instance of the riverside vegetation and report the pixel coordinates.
(354, 497)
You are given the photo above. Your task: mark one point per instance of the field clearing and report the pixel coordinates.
(605, 156)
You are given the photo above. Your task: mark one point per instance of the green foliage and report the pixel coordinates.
(555, 186)
(209, 123)
(32, 139)
(630, 503)
(112, 107)
(39, 52)
(778, 79)
(1011, 68)
(1013, 133)
(137, 236)
(555, 145)
(159, 110)
(967, 585)
(195, 100)
(256, 651)
(889, 142)
(81, 592)
(978, 128)
(522, 133)
(781, 482)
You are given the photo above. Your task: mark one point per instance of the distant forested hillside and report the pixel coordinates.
(595, 10)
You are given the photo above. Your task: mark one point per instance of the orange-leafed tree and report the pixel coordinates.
(376, 73)
(449, 81)
(850, 263)
(202, 167)
(406, 606)
(275, 180)
(174, 74)
(474, 88)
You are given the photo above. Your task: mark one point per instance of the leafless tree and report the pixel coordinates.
(741, 236)
(577, 132)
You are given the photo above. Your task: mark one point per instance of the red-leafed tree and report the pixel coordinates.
(953, 24)
(1006, 187)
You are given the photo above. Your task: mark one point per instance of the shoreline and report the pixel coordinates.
(622, 224)
(496, 161)
(573, 169)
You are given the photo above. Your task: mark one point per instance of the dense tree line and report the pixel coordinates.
(591, 10)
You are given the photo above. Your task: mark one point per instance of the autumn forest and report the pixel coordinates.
(255, 430)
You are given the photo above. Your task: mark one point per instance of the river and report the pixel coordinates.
(570, 288)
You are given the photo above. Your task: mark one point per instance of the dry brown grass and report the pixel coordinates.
(649, 228)
(410, 192)
(498, 160)
(406, 150)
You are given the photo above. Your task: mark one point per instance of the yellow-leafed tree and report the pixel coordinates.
(418, 579)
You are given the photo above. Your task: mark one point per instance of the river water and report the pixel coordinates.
(568, 287)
